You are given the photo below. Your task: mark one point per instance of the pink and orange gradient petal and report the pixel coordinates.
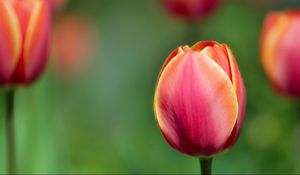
(175, 53)
(23, 9)
(275, 28)
(196, 105)
(10, 41)
(289, 56)
(240, 91)
(217, 54)
(36, 44)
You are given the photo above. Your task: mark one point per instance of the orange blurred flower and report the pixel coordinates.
(75, 44)
(280, 51)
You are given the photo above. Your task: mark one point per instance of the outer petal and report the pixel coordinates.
(10, 41)
(23, 9)
(196, 105)
(36, 44)
(240, 91)
(215, 52)
(275, 27)
(288, 55)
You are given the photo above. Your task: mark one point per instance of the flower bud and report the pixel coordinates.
(280, 51)
(24, 40)
(200, 99)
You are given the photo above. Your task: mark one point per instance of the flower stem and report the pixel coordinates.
(10, 132)
(206, 166)
(297, 140)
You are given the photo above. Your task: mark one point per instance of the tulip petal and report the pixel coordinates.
(213, 50)
(175, 53)
(23, 9)
(275, 28)
(10, 41)
(289, 56)
(37, 40)
(240, 91)
(195, 104)
(218, 55)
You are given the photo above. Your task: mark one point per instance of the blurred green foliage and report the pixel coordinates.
(103, 121)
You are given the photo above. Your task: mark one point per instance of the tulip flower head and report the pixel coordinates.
(200, 99)
(280, 51)
(190, 9)
(24, 40)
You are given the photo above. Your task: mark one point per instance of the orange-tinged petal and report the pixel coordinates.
(202, 44)
(218, 55)
(36, 44)
(275, 28)
(23, 9)
(10, 41)
(240, 91)
(176, 52)
(195, 104)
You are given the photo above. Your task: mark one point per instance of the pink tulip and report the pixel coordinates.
(280, 51)
(24, 40)
(200, 99)
(190, 9)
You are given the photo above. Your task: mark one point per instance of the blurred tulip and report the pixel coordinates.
(280, 51)
(190, 9)
(200, 99)
(24, 40)
(74, 45)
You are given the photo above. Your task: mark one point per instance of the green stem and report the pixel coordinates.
(10, 132)
(297, 136)
(206, 166)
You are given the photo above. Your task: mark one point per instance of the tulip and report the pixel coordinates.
(74, 45)
(200, 99)
(190, 9)
(24, 40)
(280, 53)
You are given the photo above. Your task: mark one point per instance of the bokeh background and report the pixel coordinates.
(101, 120)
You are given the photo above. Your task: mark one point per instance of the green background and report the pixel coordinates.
(103, 121)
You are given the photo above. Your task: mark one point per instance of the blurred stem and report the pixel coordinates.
(206, 166)
(297, 140)
(191, 36)
(10, 132)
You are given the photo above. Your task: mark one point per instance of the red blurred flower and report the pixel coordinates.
(280, 51)
(190, 9)
(200, 99)
(75, 43)
(24, 40)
